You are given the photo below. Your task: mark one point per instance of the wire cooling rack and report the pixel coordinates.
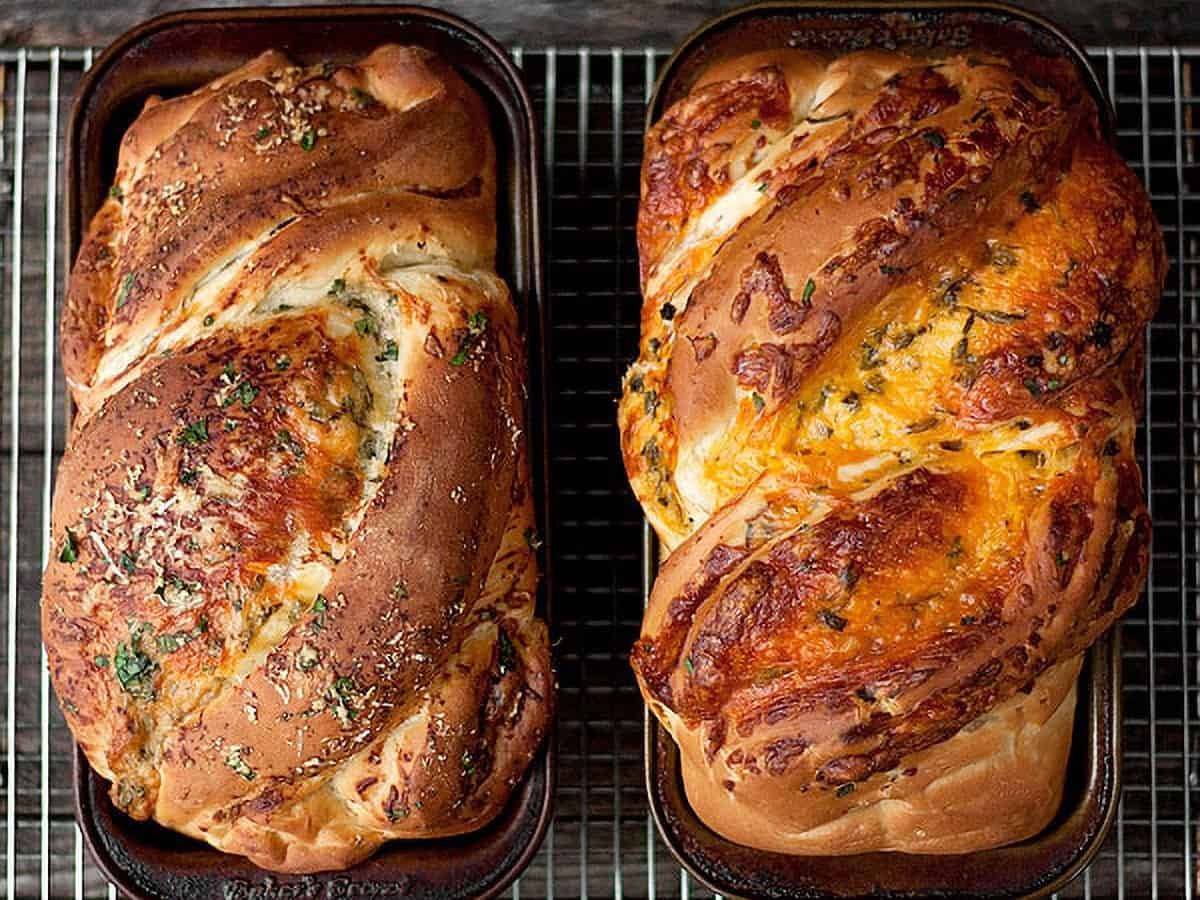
(591, 104)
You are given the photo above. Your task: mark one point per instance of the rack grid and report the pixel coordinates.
(591, 103)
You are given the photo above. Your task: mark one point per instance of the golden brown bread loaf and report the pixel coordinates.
(291, 607)
(883, 422)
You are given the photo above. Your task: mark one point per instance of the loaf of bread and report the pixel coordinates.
(883, 421)
(290, 610)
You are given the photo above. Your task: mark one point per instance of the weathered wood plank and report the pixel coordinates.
(569, 22)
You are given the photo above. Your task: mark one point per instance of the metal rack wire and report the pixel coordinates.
(591, 104)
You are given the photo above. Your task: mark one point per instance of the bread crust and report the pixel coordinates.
(292, 609)
(882, 421)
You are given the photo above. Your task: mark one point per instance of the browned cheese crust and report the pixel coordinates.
(291, 606)
(883, 421)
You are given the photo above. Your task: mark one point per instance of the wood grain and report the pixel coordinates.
(539, 23)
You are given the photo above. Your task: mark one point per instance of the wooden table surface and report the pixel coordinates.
(536, 23)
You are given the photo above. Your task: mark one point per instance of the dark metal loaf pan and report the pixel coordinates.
(1035, 867)
(177, 53)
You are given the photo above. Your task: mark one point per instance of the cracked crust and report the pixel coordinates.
(291, 608)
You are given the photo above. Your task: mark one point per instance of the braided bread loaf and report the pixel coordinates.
(883, 421)
(291, 609)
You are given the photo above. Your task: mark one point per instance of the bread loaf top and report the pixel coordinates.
(884, 411)
(290, 611)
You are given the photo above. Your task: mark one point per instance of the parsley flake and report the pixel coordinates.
(70, 549)
(134, 669)
(234, 760)
(194, 434)
(126, 287)
(477, 324)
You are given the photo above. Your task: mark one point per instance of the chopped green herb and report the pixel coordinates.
(956, 549)
(234, 760)
(167, 643)
(262, 132)
(922, 425)
(934, 139)
(689, 665)
(1033, 387)
(126, 287)
(806, 294)
(476, 325)
(287, 442)
(193, 434)
(756, 123)
(1060, 559)
(762, 187)
(247, 392)
(208, 320)
(188, 476)
(468, 764)
(758, 401)
(70, 549)
(128, 564)
(101, 661)
(849, 576)
(1001, 257)
(830, 619)
(999, 317)
(308, 140)
(845, 790)
(961, 351)
(362, 97)
(366, 325)
(307, 658)
(283, 362)
(134, 669)
(817, 120)
(338, 286)
(344, 690)
(506, 653)
(391, 352)
(142, 493)
(116, 193)
(319, 606)
(890, 270)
